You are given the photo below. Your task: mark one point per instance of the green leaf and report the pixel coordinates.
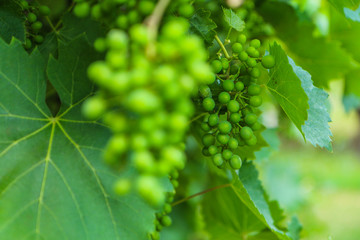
(305, 104)
(295, 228)
(202, 25)
(53, 183)
(345, 7)
(12, 21)
(322, 57)
(233, 20)
(352, 90)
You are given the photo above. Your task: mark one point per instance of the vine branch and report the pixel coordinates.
(222, 47)
(201, 193)
(153, 21)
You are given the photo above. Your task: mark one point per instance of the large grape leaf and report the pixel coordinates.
(53, 184)
(305, 104)
(233, 20)
(12, 21)
(322, 57)
(245, 213)
(202, 25)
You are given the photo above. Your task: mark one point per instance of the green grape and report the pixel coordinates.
(250, 119)
(224, 97)
(213, 150)
(96, 11)
(246, 111)
(205, 127)
(100, 44)
(255, 101)
(235, 117)
(146, 7)
(93, 108)
(241, 39)
(268, 61)
(117, 145)
(175, 29)
(233, 106)
(234, 69)
(167, 208)
(216, 66)
(175, 183)
(239, 86)
(31, 17)
(218, 160)
(149, 188)
(246, 133)
(225, 63)
(254, 90)
(233, 143)
(143, 101)
(24, 4)
(122, 186)
(121, 21)
(205, 152)
(208, 140)
(82, 9)
(38, 39)
(208, 104)
(243, 56)
(205, 91)
(186, 10)
(227, 154)
(223, 138)
(255, 43)
(213, 120)
(252, 141)
(36, 26)
(133, 17)
(256, 126)
(235, 162)
(252, 52)
(228, 85)
(44, 10)
(255, 72)
(251, 62)
(237, 48)
(139, 34)
(202, 72)
(225, 127)
(117, 39)
(155, 235)
(27, 44)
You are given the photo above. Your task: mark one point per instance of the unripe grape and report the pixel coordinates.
(118, 144)
(268, 61)
(205, 152)
(252, 141)
(150, 189)
(255, 72)
(208, 140)
(38, 39)
(93, 108)
(146, 7)
(233, 143)
(255, 101)
(239, 86)
(235, 117)
(164, 74)
(235, 162)
(241, 39)
(133, 17)
(256, 126)
(202, 72)
(205, 91)
(237, 48)
(246, 133)
(36, 26)
(216, 66)
(139, 34)
(117, 39)
(143, 101)
(122, 22)
(224, 97)
(251, 62)
(122, 186)
(27, 44)
(233, 106)
(82, 9)
(252, 52)
(250, 119)
(44, 10)
(213, 150)
(205, 127)
(227, 154)
(208, 104)
(100, 44)
(255, 43)
(225, 127)
(223, 138)
(218, 160)
(243, 56)
(24, 4)
(174, 156)
(228, 85)
(225, 63)
(96, 11)
(31, 17)
(254, 90)
(213, 120)
(186, 10)
(175, 29)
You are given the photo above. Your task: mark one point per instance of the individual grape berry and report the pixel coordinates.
(225, 127)
(167, 208)
(255, 101)
(251, 141)
(223, 138)
(237, 48)
(241, 39)
(205, 91)
(246, 111)
(239, 86)
(38, 39)
(234, 69)
(224, 97)
(100, 44)
(166, 221)
(36, 26)
(117, 39)
(186, 10)
(175, 183)
(256, 126)
(208, 104)
(208, 140)
(225, 63)
(117, 145)
(31, 17)
(44, 10)
(255, 43)
(213, 150)
(121, 21)
(243, 56)
(268, 61)
(122, 186)
(251, 62)
(251, 51)
(218, 159)
(227, 154)
(143, 101)
(235, 162)
(246, 133)
(228, 85)
(213, 120)
(233, 143)
(255, 72)
(235, 117)
(96, 12)
(27, 44)
(216, 66)
(24, 4)
(82, 9)
(254, 90)
(139, 34)
(205, 152)
(93, 108)
(146, 7)
(205, 127)
(233, 106)
(250, 119)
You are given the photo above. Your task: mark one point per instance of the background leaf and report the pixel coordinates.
(202, 25)
(12, 21)
(233, 20)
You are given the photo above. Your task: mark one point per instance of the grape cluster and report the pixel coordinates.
(116, 13)
(232, 114)
(34, 24)
(146, 101)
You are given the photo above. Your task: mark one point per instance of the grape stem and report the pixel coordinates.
(222, 47)
(153, 21)
(197, 117)
(201, 193)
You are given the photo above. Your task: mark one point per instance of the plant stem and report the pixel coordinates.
(153, 21)
(201, 193)
(197, 117)
(222, 47)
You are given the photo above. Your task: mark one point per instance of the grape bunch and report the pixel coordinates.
(33, 22)
(232, 110)
(145, 99)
